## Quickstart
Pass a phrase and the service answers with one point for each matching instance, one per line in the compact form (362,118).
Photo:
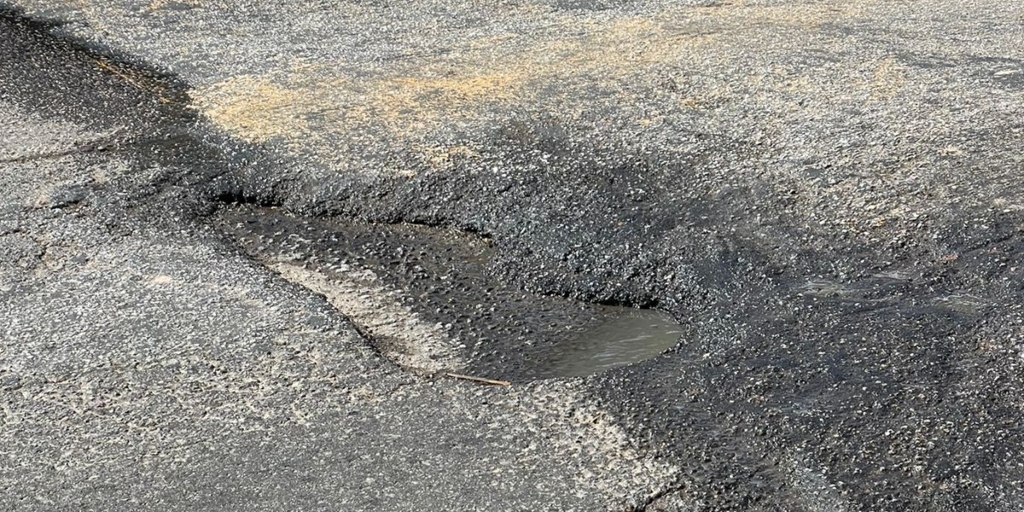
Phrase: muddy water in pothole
(621,336)
(425,298)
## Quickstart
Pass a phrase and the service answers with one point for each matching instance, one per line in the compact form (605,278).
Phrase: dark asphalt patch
(65,80)
(143,114)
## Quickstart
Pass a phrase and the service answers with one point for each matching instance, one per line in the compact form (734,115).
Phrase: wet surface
(624,336)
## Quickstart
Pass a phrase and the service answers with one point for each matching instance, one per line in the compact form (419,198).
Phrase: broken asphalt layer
(825,194)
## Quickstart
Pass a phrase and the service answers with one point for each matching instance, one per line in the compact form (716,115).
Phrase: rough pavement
(148,365)
(826,194)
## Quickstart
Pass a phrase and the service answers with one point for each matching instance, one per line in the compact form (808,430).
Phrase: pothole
(423,295)
(425,298)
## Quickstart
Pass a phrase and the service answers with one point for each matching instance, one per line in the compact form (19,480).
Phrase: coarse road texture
(146,364)
(827,194)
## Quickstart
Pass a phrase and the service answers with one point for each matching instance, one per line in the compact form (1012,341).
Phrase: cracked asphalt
(826,196)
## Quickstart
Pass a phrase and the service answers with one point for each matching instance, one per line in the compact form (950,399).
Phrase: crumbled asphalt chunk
(825,194)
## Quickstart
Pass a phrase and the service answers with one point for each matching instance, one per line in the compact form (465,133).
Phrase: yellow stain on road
(559,68)
(256,109)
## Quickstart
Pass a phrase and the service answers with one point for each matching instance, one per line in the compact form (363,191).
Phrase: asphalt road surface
(243,243)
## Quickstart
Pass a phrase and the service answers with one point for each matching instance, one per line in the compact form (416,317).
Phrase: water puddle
(623,336)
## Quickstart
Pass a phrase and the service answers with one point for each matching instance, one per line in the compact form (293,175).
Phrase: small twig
(117,71)
(479,379)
